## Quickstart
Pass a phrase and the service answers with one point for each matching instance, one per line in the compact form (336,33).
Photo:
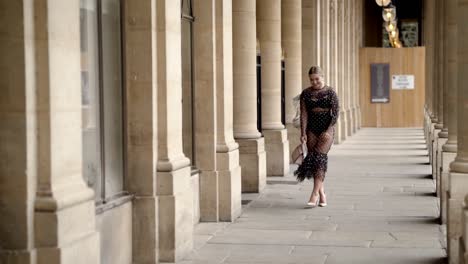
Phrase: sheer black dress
(319,113)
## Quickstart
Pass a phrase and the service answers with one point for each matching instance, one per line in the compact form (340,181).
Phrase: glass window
(102,97)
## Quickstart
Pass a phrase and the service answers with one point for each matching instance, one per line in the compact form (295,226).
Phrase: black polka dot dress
(319,114)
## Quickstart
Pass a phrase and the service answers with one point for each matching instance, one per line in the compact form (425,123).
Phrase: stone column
(64,219)
(458,177)
(429,43)
(205,73)
(325,39)
(359,44)
(348,66)
(18,159)
(438,71)
(291,40)
(449,149)
(334,67)
(227,150)
(251,142)
(442,93)
(428,83)
(354,66)
(276,136)
(141,120)
(342,84)
(173,168)
(310,38)
(436,125)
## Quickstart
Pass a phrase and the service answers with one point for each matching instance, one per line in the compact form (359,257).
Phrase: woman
(319,113)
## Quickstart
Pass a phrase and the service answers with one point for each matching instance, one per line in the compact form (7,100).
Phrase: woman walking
(319,113)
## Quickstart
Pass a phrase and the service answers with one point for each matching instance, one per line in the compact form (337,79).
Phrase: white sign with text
(402,82)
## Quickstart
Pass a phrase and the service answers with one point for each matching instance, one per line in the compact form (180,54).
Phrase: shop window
(102,98)
(188,119)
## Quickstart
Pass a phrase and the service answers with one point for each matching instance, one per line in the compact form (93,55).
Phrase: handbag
(299,153)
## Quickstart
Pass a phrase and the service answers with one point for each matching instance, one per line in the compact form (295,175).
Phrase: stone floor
(382,209)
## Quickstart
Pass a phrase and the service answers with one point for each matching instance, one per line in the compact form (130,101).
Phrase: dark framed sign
(380,82)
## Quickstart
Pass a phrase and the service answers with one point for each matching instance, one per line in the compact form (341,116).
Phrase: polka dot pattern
(318,125)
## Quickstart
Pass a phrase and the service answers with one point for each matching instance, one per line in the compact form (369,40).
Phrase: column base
(349,117)
(175,214)
(432,132)
(294,137)
(427,127)
(433,155)
(86,250)
(462,245)
(458,186)
(66,235)
(229,180)
(438,164)
(253,163)
(338,131)
(344,125)
(355,120)
(65,224)
(144,229)
(447,158)
(359,117)
(277,149)
(209,193)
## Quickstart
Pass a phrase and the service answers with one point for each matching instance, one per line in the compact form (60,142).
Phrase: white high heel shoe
(322,204)
(312,205)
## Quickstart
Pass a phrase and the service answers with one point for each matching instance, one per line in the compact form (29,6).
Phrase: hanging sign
(402,82)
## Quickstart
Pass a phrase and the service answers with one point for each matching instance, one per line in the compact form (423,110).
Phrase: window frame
(189,18)
(104,202)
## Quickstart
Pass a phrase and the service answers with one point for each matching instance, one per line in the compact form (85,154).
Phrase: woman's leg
(324,142)
(312,140)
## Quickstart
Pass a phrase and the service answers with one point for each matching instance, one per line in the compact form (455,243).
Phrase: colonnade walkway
(382,209)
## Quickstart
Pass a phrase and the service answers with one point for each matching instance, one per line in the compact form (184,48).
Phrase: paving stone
(381,209)
(261,237)
(289,224)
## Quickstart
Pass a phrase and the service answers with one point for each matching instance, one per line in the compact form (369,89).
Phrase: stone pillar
(64,218)
(354,66)
(428,83)
(310,37)
(173,168)
(449,149)
(325,39)
(359,44)
(141,120)
(458,177)
(348,66)
(291,40)
(342,73)
(251,142)
(436,126)
(439,66)
(18,159)
(334,67)
(276,136)
(429,43)
(435,63)
(227,150)
(442,136)
(205,73)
